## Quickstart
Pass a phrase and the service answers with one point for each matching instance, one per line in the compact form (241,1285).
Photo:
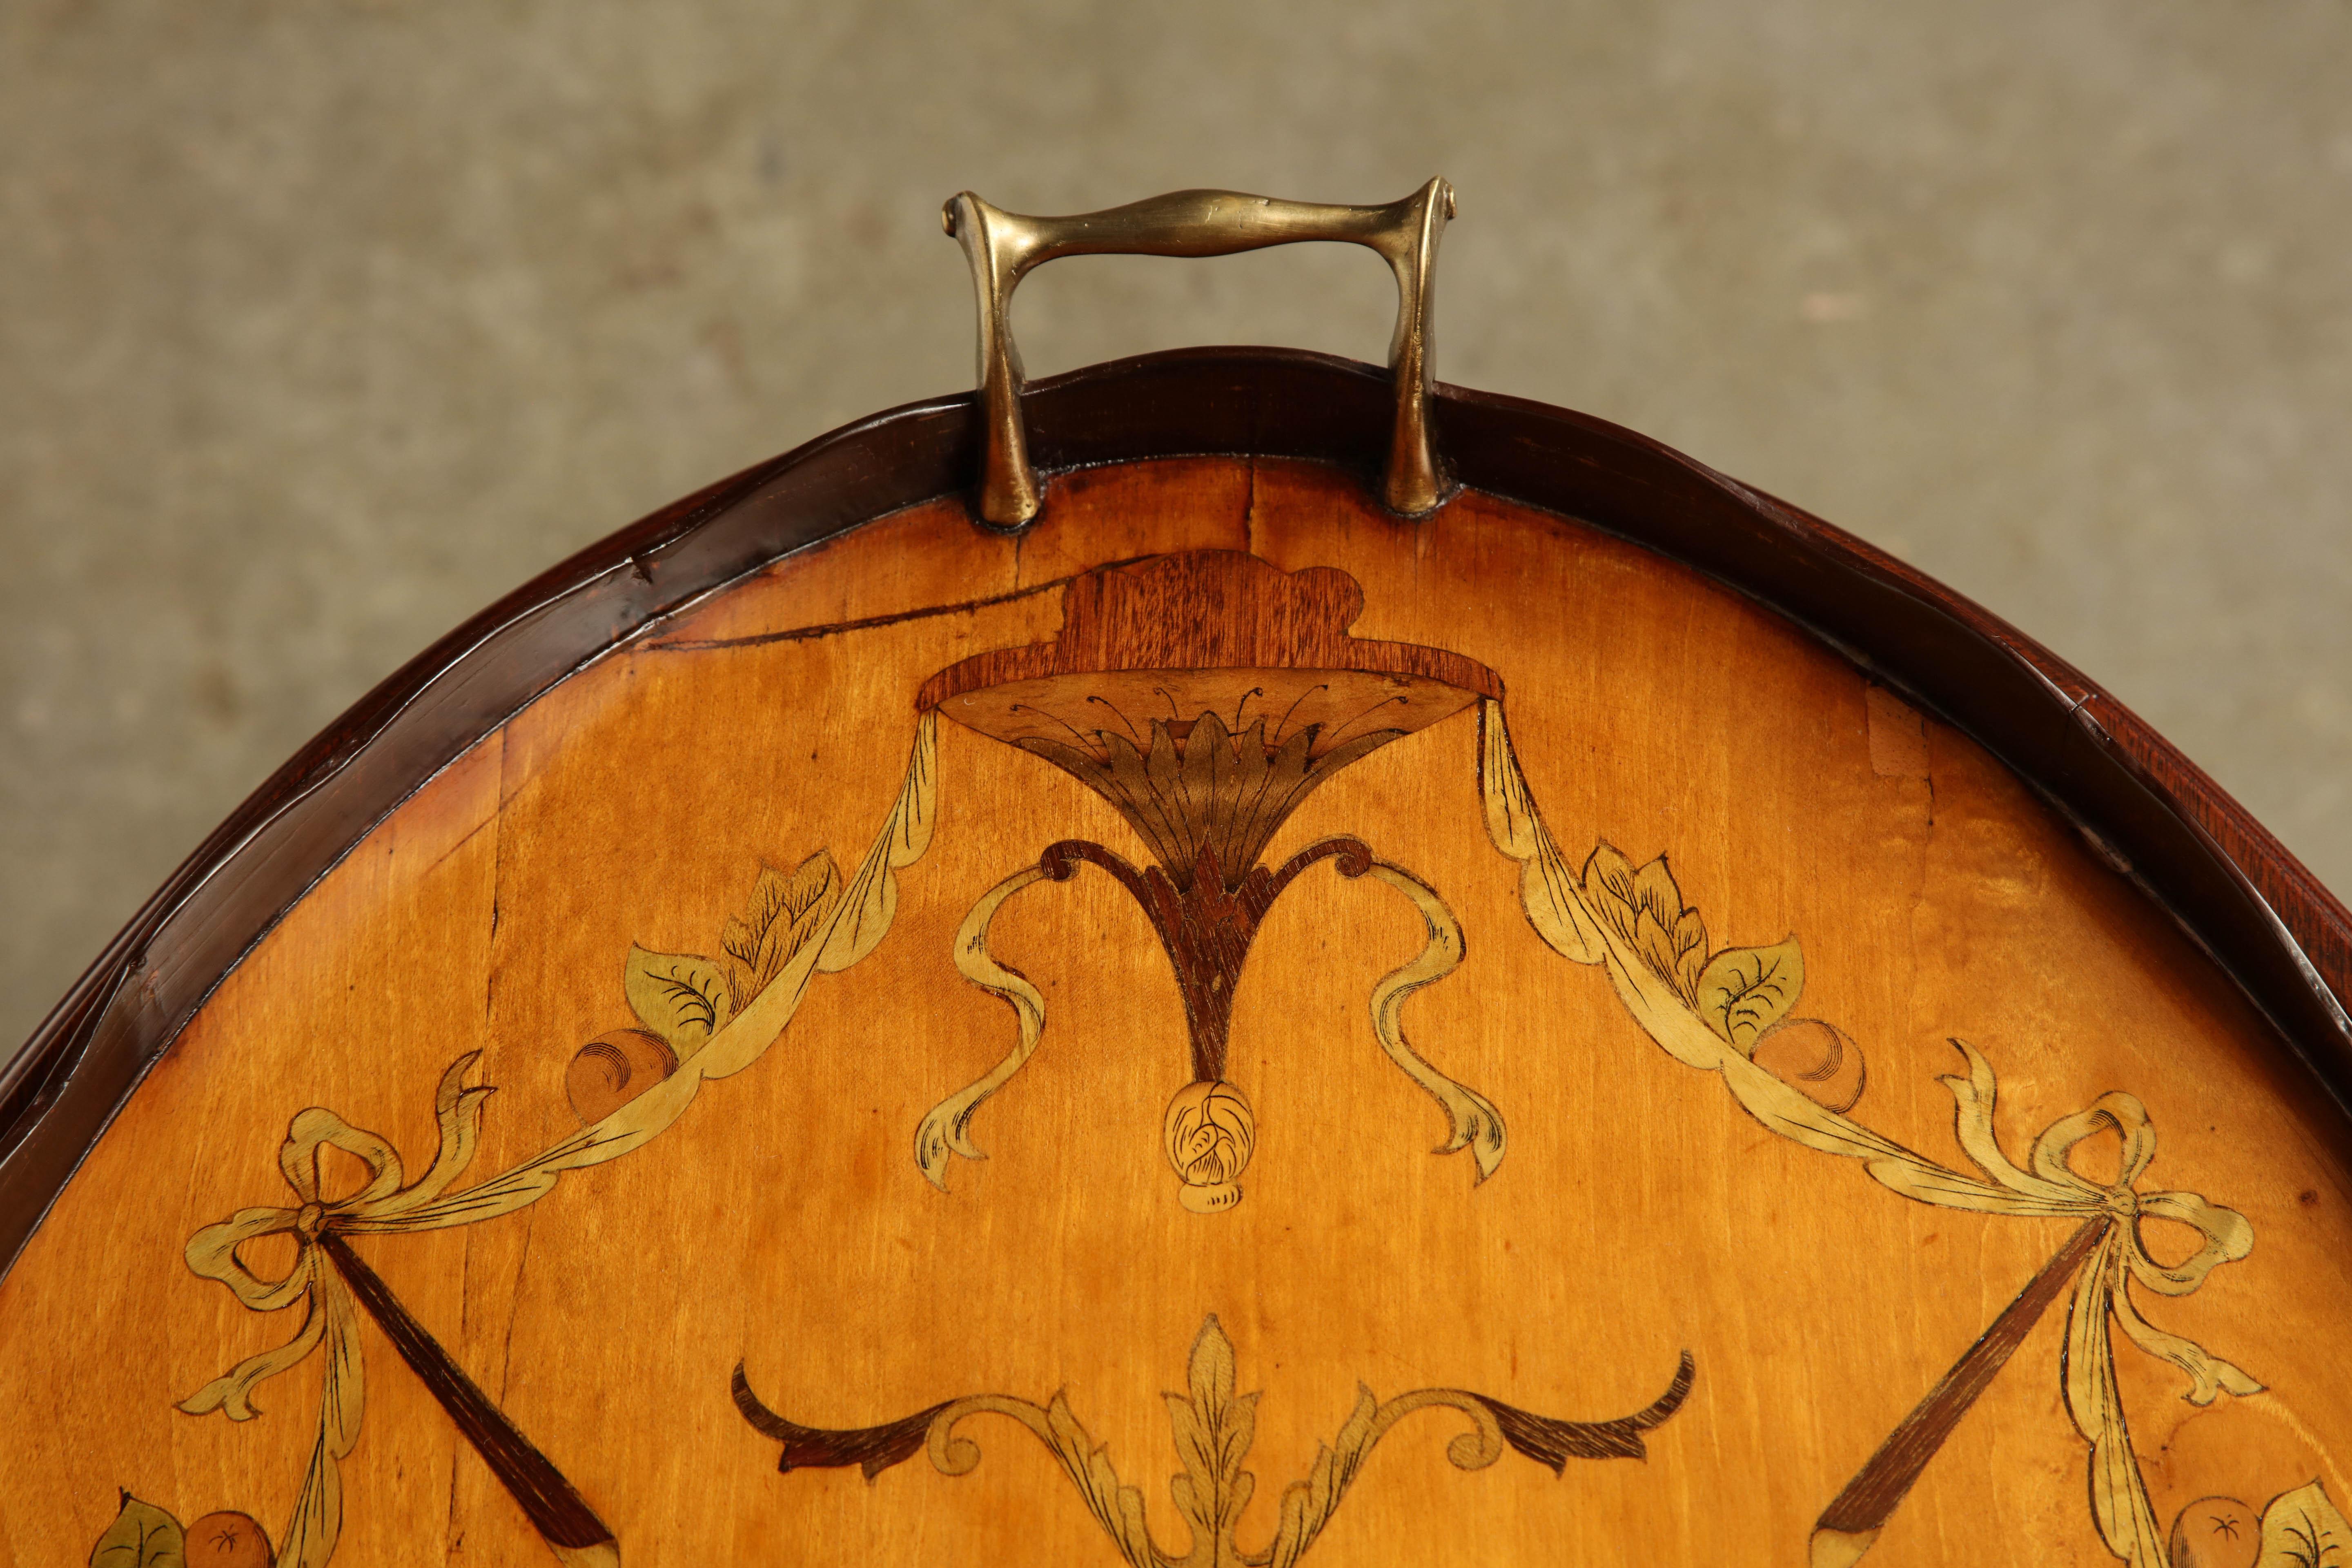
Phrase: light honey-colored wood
(783,1222)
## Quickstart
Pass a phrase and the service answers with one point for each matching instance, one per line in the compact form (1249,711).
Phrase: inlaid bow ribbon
(2119,1498)
(1707,1012)
(2052,1186)
(330,1279)
(2106,1256)
(378,1204)
(318,1280)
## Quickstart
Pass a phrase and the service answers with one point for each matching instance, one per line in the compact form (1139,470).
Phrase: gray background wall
(322,325)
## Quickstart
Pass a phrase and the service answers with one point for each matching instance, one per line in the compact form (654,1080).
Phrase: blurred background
(323,325)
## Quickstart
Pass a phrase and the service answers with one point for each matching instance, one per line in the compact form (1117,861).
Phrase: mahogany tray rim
(2142,806)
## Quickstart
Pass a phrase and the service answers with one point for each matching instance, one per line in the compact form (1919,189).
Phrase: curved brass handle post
(1002,247)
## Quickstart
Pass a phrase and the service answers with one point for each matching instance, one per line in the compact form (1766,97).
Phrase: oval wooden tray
(1816,996)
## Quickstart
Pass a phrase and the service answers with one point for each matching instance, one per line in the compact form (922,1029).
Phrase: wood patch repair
(1898,735)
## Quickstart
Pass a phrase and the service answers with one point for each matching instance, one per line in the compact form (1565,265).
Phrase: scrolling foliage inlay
(1204,696)
(1214,1429)
(1716,1013)
(714,1034)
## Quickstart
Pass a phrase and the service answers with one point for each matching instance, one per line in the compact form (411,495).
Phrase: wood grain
(2281,936)
(1149,616)
(783,1225)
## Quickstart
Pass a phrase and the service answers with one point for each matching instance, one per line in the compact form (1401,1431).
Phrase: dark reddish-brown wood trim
(1205,927)
(1881,1485)
(1121,619)
(553,1505)
(2145,807)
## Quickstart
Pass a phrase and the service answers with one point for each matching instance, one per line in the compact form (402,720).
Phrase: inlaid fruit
(613,1069)
(2216,1532)
(1818,1059)
(227,1541)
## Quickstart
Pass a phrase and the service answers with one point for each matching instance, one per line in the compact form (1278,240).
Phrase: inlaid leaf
(1116,1507)
(784,913)
(1308,1505)
(1690,953)
(1214,1431)
(1655,946)
(1645,907)
(142,1536)
(1743,991)
(1656,894)
(1609,884)
(1675,952)
(681,997)
(2302,1529)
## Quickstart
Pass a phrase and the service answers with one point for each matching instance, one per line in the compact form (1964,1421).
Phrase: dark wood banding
(873,1449)
(554,1506)
(1871,1497)
(2267,920)
(1124,618)
(1552,1443)
(1204,927)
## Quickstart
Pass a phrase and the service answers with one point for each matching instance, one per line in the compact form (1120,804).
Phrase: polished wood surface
(781,1224)
(2286,939)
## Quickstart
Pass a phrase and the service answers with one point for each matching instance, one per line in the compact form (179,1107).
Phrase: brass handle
(1002,247)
